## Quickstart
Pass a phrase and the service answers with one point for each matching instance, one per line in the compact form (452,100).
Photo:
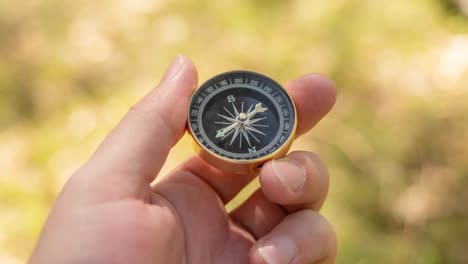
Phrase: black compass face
(241,115)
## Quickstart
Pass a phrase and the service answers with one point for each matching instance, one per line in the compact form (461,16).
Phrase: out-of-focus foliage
(396,143)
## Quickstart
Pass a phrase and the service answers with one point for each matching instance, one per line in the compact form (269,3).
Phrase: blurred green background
(396,143)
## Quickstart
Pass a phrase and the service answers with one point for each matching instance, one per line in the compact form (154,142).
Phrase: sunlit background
(396,143)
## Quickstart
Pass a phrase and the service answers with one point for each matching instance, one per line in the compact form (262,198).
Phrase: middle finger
(298,181)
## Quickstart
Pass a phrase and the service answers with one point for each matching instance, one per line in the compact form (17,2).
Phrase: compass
(240,119)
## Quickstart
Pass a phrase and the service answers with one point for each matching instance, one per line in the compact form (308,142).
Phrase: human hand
(108,211)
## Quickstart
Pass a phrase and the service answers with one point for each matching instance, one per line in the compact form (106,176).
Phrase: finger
(314,96)
(303,237)
(300,180)
(137,147)
(227,185)
(258,215)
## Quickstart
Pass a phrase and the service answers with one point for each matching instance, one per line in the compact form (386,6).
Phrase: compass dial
(241,116)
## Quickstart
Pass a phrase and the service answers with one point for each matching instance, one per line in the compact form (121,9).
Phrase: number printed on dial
(241,115)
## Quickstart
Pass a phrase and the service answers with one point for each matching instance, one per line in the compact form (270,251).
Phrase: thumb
(135,150)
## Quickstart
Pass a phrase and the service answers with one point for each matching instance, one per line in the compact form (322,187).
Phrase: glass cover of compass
(241,118)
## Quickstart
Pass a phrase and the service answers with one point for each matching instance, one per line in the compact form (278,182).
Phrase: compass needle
(219,134)
(258,109)
(239,120)
(227,135)
(229,128)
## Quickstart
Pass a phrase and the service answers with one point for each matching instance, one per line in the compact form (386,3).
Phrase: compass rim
(202,150)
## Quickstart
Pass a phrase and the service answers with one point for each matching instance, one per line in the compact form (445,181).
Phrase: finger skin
(311,194)
(227,185)
(267,207)
(203,219)
(314,95)
(258,215)
(137,147)
(311,240)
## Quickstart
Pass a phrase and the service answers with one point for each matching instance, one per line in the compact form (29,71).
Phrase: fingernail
(277,250)
(290,173)
(175,68)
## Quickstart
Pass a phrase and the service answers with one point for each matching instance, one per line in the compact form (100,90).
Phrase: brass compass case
(238,120)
